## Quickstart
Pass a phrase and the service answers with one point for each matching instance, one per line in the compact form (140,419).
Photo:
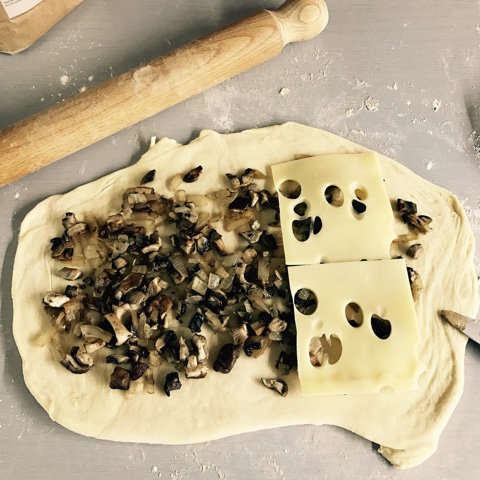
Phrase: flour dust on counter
(406,424)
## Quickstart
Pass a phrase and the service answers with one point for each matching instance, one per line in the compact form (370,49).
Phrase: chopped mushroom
(55,300)
(138,370)
(139,279)
(415,250)
(279,386)
(120,379)
(183,351)
(77,362)
(201,347)
(69,273)
(226,359)
(121,332)
(172,382)
(416,283)
(218,323)
(194,369)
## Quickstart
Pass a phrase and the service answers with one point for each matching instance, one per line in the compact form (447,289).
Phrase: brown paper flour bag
(22,22)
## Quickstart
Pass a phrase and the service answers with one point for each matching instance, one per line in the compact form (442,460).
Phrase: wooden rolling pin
(120,102)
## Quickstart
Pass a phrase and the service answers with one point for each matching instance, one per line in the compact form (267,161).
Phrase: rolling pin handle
(301,19)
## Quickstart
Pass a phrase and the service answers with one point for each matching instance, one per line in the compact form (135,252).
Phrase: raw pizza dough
(406,425)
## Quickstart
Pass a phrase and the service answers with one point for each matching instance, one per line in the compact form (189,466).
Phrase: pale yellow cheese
(344,235)
(367,363)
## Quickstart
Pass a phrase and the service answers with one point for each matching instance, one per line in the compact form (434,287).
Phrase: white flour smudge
(64,79)
(371,104)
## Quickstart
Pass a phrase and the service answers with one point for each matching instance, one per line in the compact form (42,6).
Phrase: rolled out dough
(407,425)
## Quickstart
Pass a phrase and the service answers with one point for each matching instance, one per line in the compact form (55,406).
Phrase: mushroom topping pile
(418,225)
(156,282)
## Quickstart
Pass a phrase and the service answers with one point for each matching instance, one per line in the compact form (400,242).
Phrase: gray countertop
(400,77)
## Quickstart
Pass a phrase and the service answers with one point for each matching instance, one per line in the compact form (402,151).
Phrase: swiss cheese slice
(340,203)
(375,349)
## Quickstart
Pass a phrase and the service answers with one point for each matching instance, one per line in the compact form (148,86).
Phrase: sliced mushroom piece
(255,346)
(183,351)
(276,327)
(196,322)
(417,222)
(162,303)
(285,362)
(118,359)
(253,236)
(405,206)
(218,323)
(93,344)
(171,353)
(93,331)
(239,204)
(234,181)
(416,283)
(68,273)
(227,357)
(77,362)
(79,228)
(130,282)
(201,347)
(172,382)
(57,247)
(120,379)
(121,332)
(166,338)
(115,222)
(415,250)
(217,241)
(279,386)
(194,369)
(69,220)
(138,370)
(155,286)
(55,300)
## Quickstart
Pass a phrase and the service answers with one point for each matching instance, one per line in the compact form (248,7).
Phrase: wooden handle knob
(99,112)
(301,19)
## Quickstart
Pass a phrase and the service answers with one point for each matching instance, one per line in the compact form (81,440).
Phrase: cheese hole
(360,193)
(354,314)
(322,350)
(300,209)
(334,196)
(317,225)
(302,228)
(305,301)
(381,327)
(358,207)
(290,189)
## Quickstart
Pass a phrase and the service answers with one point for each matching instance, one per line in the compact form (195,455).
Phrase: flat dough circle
(407,425)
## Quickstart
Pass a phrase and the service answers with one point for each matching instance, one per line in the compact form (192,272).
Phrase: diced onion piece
(174,182)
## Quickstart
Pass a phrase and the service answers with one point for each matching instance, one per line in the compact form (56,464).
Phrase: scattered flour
(64,79)
(429,164)
(436,104)
(371,104)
